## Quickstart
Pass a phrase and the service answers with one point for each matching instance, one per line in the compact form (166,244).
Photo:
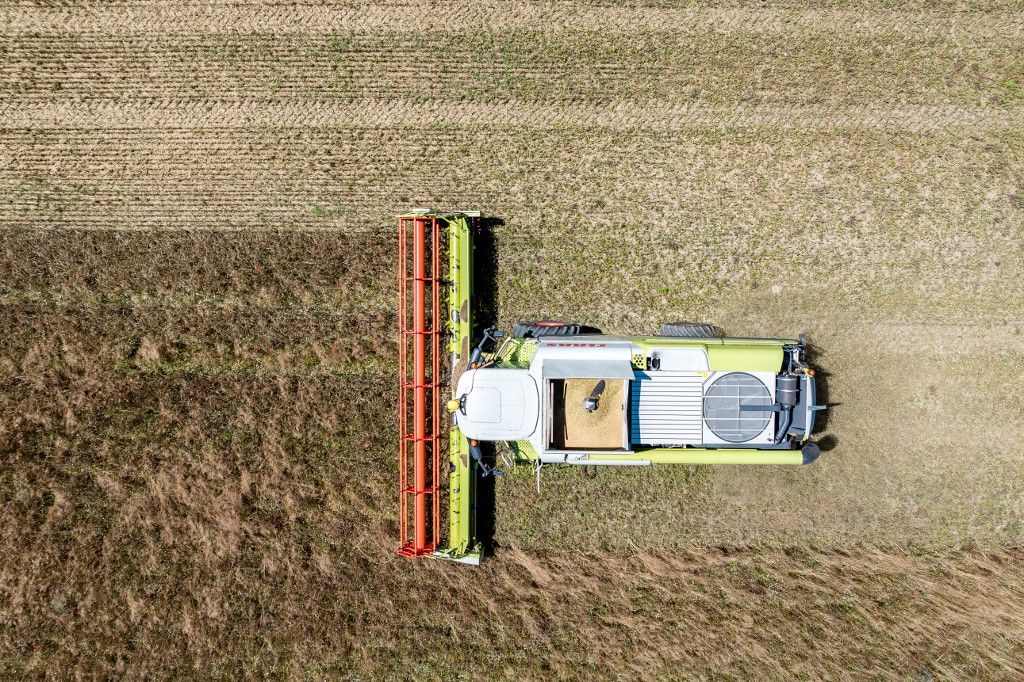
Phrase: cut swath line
(400,114)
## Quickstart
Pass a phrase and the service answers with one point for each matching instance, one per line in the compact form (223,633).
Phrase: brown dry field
(197,348)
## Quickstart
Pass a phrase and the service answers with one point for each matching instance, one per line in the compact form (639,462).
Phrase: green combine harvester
(562,393)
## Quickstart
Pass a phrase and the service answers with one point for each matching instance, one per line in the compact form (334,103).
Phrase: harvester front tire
(688,330)
(535,330)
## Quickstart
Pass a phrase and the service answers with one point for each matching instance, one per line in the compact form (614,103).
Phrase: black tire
(539,328)
(688,330)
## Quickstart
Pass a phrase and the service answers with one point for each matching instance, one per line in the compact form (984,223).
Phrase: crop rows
(990,20)
(197,251)
(723,68)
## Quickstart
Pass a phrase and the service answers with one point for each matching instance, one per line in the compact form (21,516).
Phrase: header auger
(563,393)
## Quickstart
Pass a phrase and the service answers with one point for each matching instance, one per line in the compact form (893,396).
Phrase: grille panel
(665,408)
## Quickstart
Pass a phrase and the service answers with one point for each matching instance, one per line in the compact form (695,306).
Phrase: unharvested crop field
(197,332)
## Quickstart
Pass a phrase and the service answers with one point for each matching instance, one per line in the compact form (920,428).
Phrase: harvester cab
(497,404)
(561,393)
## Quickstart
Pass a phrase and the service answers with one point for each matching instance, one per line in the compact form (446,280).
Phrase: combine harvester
(561,393)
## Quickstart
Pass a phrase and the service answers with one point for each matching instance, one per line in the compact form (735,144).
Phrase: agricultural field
(197,332)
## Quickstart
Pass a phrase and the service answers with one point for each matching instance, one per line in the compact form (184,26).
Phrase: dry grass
(196,329)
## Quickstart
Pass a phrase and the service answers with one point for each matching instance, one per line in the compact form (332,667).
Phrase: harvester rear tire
(688,330)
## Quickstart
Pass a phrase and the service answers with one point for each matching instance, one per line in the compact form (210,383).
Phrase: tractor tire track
(384,114)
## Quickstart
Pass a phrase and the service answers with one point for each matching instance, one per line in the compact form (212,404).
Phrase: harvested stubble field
(196,350)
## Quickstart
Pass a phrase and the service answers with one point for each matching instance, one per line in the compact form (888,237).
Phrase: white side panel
(681,359)
(587,369)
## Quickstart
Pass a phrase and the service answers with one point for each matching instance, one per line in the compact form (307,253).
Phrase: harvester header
(435,263)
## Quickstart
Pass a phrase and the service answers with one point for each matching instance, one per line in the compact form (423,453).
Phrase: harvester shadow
(486,257)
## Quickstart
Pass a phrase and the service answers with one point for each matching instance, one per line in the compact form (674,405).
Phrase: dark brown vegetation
(198,478)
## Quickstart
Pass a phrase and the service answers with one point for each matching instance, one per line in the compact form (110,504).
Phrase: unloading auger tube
(435,301)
